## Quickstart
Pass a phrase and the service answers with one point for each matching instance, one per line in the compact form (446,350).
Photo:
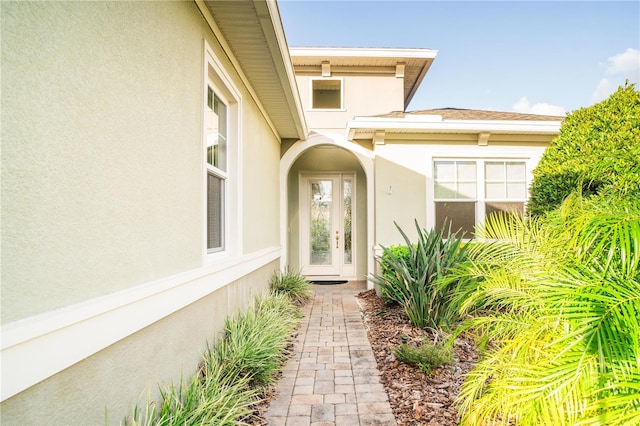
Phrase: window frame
(481,198)
(311,93)
(219,81)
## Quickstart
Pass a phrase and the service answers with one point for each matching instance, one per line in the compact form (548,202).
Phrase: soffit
(367,60)
(253,31)
(452,121)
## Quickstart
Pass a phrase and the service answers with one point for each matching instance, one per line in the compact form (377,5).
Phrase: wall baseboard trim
(38,347)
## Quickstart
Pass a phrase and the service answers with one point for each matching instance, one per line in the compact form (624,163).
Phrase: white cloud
(626,63)
(622,66)
(524,106)
(603,91)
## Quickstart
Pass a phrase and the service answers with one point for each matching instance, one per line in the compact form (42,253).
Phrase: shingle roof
(474,114)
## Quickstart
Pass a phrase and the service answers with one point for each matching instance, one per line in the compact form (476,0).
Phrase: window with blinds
(466,192)
(216,140)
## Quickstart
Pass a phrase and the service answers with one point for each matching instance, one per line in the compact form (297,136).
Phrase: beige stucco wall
(326,158)
(404,175)
(400,196)
(101,148)
(102,191)
(125,373)
(260,184)
(359,99)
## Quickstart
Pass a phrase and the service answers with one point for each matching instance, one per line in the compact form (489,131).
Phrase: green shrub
(213,398)
(293,284)
(228,384)
(427,356)
(596,152)
(559,298)
(415,280)
(402,253)
(255,342)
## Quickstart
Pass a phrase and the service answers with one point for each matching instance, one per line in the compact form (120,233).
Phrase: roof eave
(281,80)
(283,60)
(364,52)
(395,125)
(414,88)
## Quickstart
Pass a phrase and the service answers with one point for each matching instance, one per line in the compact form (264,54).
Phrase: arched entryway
(327,176)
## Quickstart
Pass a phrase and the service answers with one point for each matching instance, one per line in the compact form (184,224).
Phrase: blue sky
(526,56)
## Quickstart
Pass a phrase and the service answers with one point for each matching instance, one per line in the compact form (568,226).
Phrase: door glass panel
(347,188)
(320,253)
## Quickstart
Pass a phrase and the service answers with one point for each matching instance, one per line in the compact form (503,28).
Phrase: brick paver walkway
(332,377)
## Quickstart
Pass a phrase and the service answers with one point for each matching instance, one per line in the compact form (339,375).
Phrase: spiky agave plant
(414,280)
(560,300)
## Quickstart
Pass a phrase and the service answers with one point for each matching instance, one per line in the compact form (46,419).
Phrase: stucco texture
(260,183)
(105,387)
(101,148)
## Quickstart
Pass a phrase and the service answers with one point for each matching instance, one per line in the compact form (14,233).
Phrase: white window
(326,93)
(466,191)
(221,152)
(216,166)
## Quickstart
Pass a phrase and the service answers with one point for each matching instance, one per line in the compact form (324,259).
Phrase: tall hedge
(597,152)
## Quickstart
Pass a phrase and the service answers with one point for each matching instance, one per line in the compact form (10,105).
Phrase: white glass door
(326,224)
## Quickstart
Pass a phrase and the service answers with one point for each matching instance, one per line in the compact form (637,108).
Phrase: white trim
(38,347)
(479,155)
(312,79)
(293,94)
(358,52)
(223,86)
(364,157)
(236,65)
(338,265)
(427,124)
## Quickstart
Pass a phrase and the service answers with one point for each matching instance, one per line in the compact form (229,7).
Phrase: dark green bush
(388,272)
(596,153)
(427,356)
(414,276)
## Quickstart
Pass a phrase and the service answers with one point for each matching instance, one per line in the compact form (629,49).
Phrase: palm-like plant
(559,301)
(416,279)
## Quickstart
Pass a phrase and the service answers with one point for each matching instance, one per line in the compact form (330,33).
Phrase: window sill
(327,110)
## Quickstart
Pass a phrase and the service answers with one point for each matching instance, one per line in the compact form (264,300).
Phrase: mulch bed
(416,399)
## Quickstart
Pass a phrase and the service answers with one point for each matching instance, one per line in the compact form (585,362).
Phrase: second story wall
(357,95)
(338,84)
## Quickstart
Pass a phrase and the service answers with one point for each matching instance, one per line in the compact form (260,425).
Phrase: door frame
(339,268)
(366,159)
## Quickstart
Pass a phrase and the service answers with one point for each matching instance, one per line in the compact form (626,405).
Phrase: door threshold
(329,277)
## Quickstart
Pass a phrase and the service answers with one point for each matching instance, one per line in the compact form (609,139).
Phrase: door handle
(337,239)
